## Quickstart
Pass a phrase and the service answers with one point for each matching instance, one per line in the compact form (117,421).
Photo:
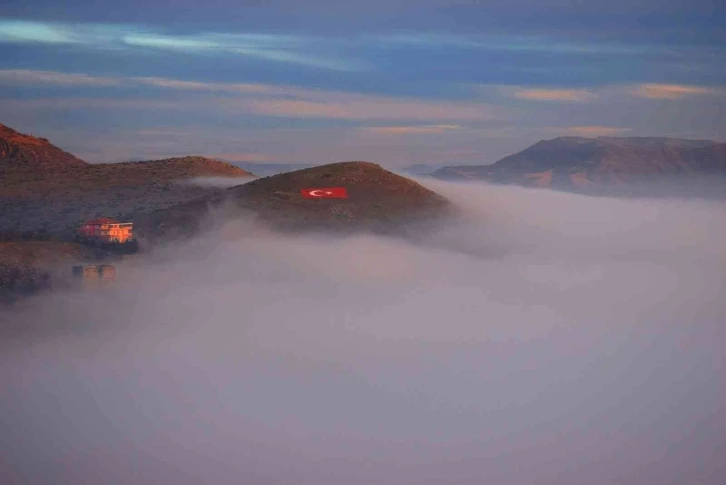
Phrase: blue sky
(395,82)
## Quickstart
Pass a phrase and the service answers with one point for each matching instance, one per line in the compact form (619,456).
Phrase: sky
(395,82)
(544,337)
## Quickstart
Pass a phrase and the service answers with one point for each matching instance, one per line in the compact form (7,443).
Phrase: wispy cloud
(205,86)
(356,107)
(262,99)
(409,130)
(592,130)
(546,94)
(23,31)
(26,76)
(669,91)
(281,48)
(503,42)
(291,49)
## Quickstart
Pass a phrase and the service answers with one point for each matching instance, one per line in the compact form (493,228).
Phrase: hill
(20,151)
(45,188)
(378,200)
(39,179)
(596,164)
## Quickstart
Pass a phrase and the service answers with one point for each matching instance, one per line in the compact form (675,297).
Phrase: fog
(543,338)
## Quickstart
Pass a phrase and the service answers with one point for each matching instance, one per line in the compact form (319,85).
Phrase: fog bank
(545,338)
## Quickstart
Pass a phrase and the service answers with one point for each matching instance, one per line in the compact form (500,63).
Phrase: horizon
(402,167)
(396,82)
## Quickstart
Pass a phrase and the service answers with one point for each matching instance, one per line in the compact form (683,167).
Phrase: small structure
(95,275)
(106,230)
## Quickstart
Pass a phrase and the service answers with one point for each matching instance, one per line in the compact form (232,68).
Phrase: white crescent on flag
(325,193)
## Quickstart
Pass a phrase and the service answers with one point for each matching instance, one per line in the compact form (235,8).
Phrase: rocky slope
(20,151)
(589,164)
(378,200)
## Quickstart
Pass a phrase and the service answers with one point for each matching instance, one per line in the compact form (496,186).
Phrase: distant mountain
(421,169)
(267,169)
(21,151)
(603,163)
(378,200)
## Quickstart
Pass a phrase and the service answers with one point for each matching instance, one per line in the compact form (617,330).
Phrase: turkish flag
(325,193)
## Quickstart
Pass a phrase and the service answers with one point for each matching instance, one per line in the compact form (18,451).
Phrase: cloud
(508,43)
(547,94)
(20,31)
(668,91)
(542,332)
(26,76)
(409,130)
(595,130)
(353,107)
(291,49)
(208,86)
(259,99)
(281,48)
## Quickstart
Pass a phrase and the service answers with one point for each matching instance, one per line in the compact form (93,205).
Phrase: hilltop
(378,200)
(21,151)
(590,164)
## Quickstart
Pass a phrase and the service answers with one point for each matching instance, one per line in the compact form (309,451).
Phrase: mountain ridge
(32,165)
(583,164)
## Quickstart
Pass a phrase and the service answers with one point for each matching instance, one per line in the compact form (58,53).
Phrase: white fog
(545,338)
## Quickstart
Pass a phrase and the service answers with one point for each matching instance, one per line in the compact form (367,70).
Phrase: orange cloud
(210,86)
(596,130)
(668,91)
(24,76)
(357,107)
(554,94)
(264,99)
(410,130)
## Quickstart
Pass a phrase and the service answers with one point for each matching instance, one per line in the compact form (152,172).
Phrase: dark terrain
(29,266)
(46,189)
(609,165)
(46,193)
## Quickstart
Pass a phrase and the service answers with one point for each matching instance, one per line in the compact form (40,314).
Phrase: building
(95,275)
(106,230)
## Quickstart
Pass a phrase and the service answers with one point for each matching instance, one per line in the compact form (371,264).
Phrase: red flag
(325,193)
